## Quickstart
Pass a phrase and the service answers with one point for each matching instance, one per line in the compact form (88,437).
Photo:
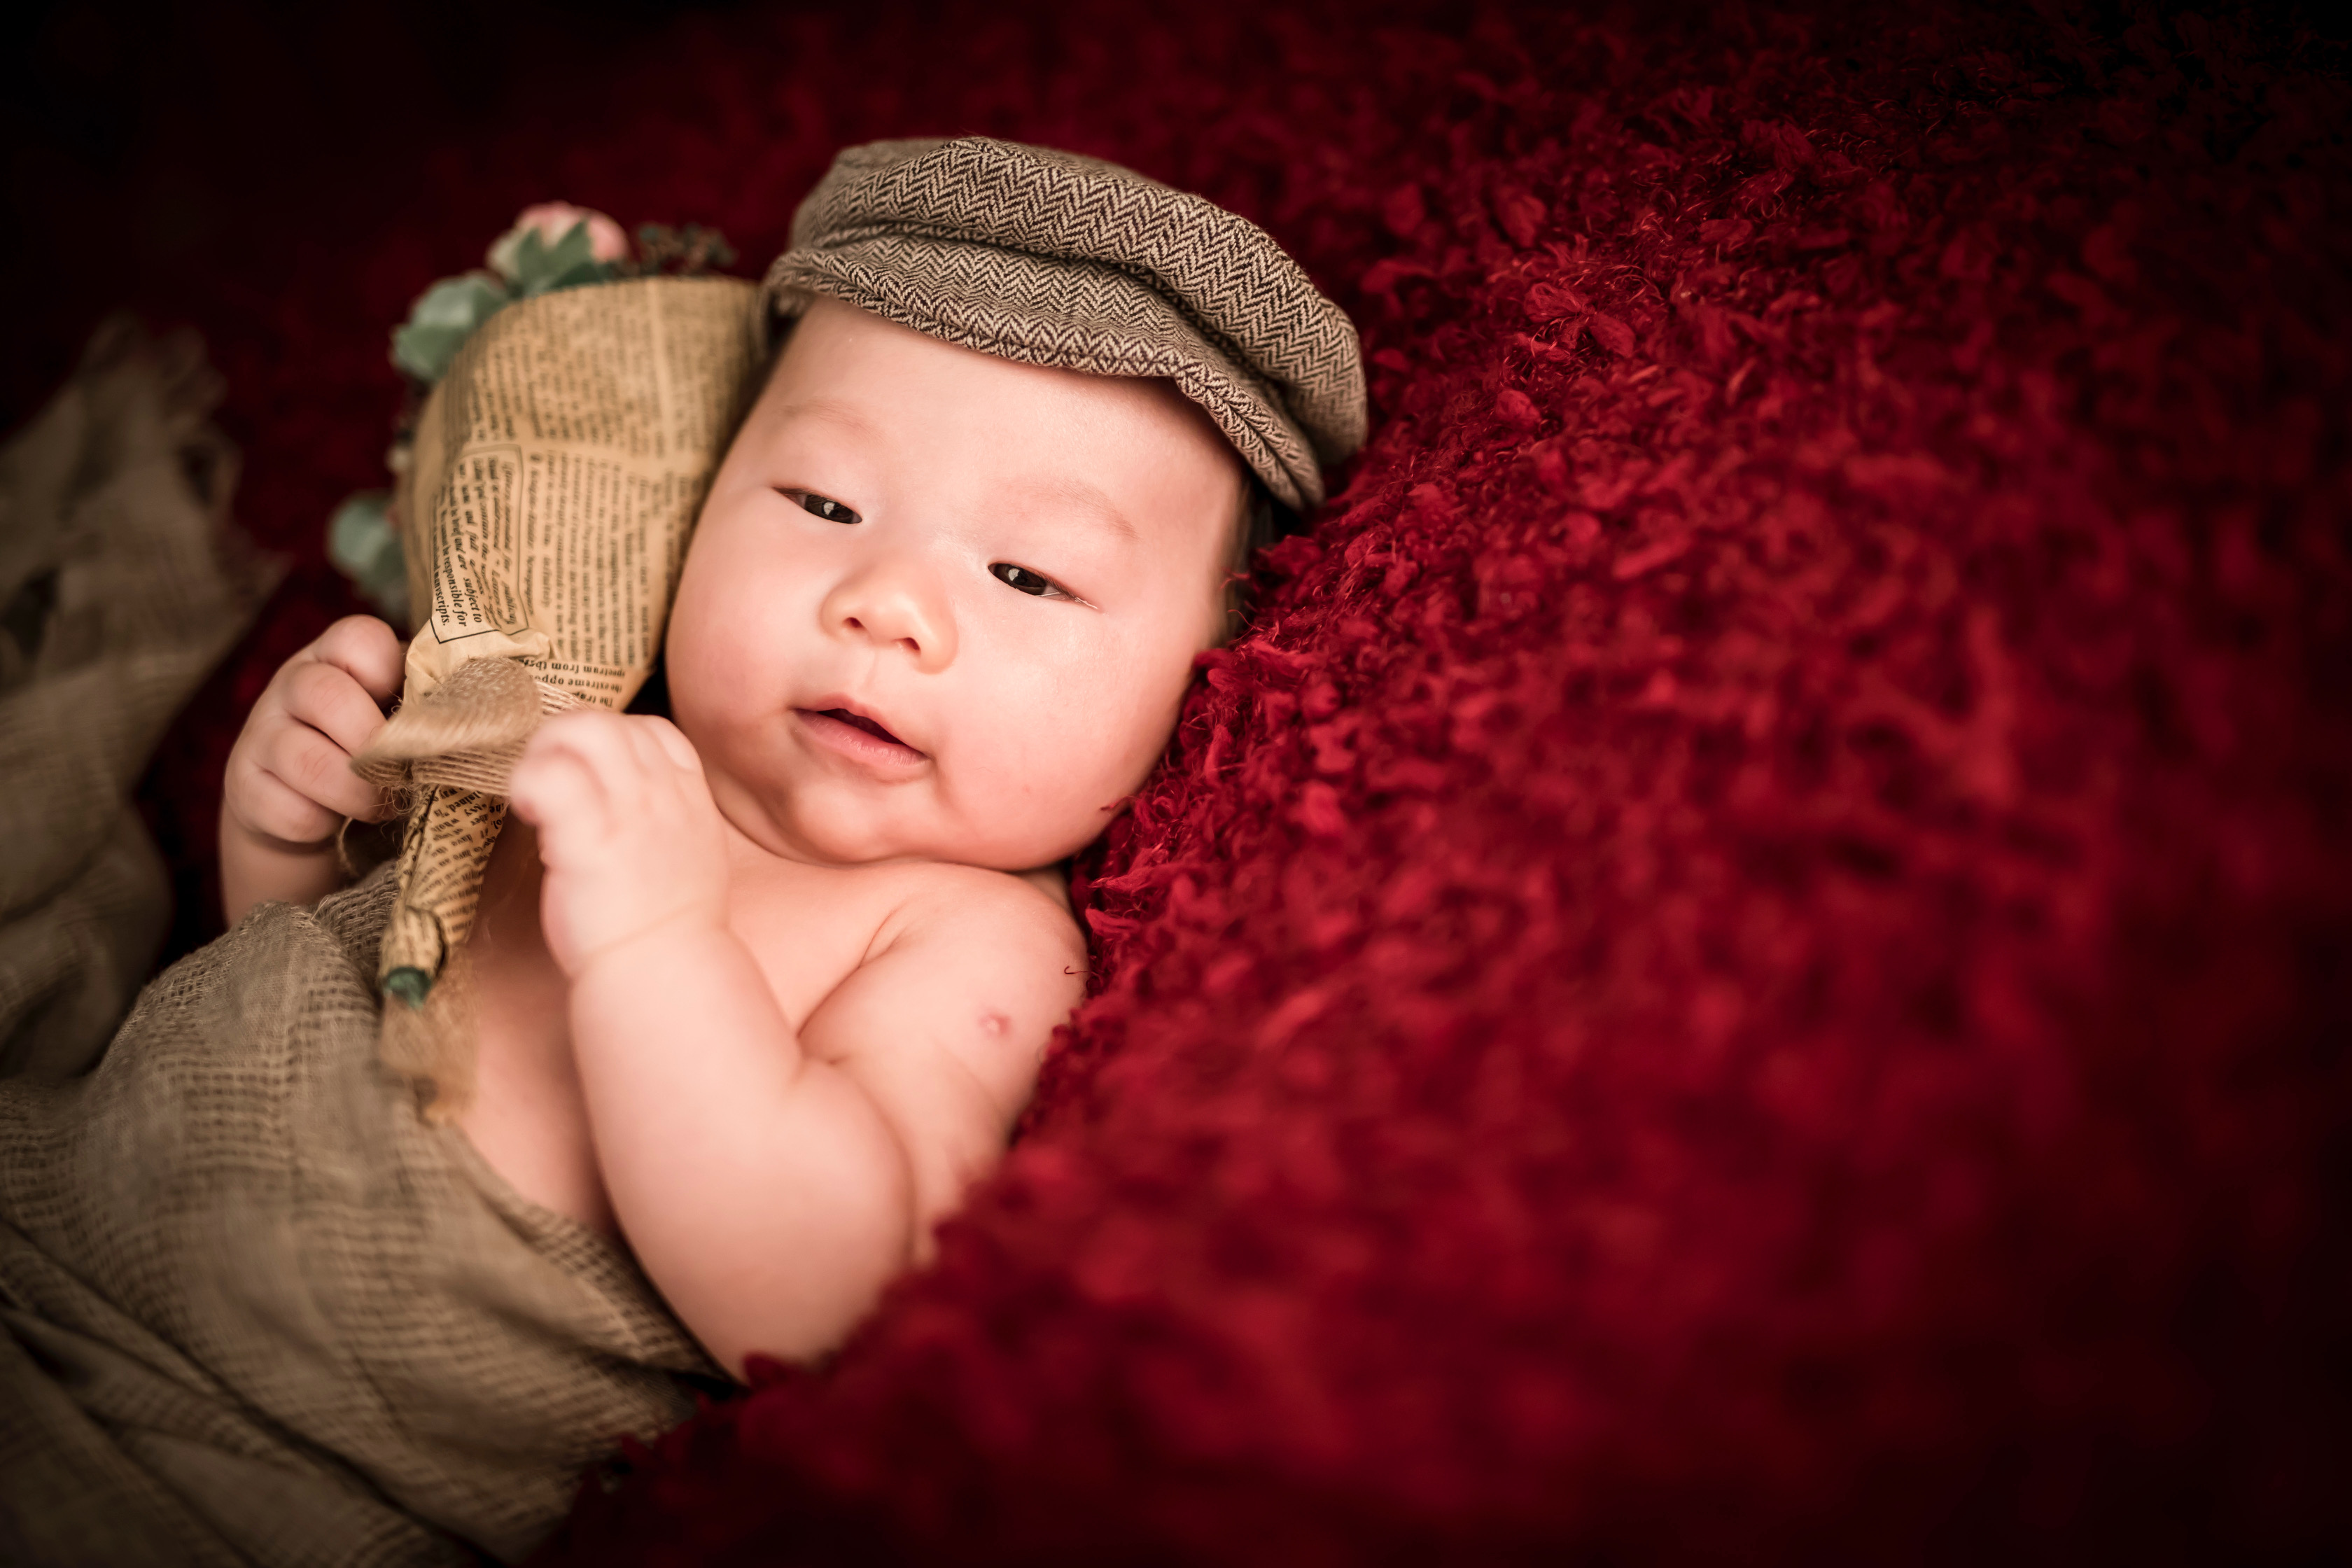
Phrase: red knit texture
(1750,961)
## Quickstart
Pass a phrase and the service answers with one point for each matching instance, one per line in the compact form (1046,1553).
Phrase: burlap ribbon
(451,750)
(466,735)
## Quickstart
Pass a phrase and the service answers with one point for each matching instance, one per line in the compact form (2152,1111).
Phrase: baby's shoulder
(979,965)
(968,904)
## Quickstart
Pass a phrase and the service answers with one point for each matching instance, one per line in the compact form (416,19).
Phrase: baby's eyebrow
(1083,495)
(828,409)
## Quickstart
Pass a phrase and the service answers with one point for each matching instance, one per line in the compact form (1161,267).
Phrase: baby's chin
(822,831)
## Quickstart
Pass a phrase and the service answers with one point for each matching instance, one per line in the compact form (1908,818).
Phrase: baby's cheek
(1135,707)
(706,643)
(1092,749)
(728,647)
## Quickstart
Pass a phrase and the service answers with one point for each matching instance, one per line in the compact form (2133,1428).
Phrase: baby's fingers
(272,809)
(594,739)
(672,741)
(320,770)
(301,788)
(329,700)
(670,771)
(564,777)
(367,650)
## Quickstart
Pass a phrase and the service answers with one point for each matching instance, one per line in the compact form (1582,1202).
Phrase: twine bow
(466,733)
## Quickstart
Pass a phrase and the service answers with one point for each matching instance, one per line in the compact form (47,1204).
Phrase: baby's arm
(289,782)
(772,1181)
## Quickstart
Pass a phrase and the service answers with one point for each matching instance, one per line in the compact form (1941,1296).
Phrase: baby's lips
(844,728)
(849,717)
(858,716)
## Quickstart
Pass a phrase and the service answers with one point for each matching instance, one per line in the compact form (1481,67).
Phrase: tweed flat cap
(1054,258)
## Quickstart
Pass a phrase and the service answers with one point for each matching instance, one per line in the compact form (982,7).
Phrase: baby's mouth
(863,723)
(861,737)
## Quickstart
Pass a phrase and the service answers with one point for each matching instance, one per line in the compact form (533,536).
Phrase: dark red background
(1750,964)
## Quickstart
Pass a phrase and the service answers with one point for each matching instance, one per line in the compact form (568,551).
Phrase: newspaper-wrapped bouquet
(552,245)
(571,405)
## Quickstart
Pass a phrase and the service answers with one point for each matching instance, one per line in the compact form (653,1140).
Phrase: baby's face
(1004,570)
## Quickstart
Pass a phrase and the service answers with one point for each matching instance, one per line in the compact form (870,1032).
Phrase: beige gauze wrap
(254,1310)
(556,474)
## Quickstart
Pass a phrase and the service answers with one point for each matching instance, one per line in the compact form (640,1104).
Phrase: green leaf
(574,248)
(364,547)
(465,302)
(569,263)
(578,276)
(424,352)
(443,318)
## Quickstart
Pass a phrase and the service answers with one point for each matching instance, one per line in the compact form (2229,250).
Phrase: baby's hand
(289,779)
(628,833)
(290,775)
(289,782)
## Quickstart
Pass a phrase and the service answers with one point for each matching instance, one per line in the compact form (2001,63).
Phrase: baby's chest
(810,928)
(807,928)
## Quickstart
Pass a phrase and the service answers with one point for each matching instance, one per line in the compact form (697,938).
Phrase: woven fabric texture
(1053,259)
(254,1310)
(119,589)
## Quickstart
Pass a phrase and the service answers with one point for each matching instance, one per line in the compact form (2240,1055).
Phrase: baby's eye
(825,507)
(1028,581)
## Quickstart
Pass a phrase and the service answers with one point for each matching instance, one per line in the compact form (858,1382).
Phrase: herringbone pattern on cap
(1053,259)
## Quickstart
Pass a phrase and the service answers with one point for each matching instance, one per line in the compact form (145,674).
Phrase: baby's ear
(1260,519)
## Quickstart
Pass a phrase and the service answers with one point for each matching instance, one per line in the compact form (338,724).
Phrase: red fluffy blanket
(1751,959)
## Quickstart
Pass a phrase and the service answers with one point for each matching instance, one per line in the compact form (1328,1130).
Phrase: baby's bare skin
(908,1083)
(529,1118)
(765,989)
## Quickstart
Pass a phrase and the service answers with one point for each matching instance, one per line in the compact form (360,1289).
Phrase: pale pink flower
(607,241)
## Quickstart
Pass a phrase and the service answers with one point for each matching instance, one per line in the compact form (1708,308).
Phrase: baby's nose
(896,607)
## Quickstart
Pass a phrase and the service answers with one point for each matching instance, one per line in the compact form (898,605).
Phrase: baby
(763,988)
(766,986)
(757,989)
